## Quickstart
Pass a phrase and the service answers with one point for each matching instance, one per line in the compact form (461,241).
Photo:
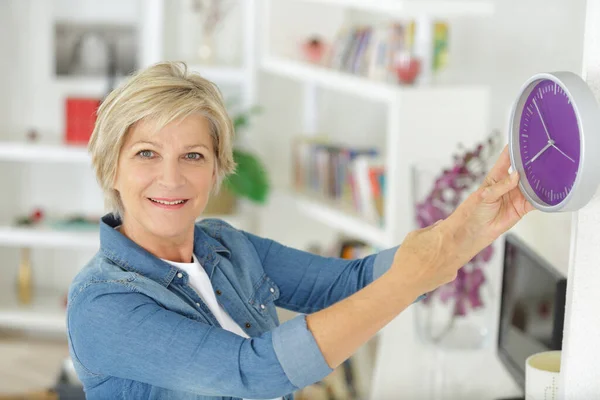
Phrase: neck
(177,248)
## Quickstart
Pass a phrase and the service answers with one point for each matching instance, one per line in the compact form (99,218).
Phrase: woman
(174,309)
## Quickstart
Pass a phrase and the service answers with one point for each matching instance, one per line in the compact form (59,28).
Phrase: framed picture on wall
(89,50)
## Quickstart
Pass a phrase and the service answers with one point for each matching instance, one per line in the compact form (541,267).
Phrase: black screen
(532,307)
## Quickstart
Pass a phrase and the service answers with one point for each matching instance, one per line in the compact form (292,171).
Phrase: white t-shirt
(200,281)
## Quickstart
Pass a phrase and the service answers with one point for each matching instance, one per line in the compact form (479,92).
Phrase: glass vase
(454,317)
(457,315)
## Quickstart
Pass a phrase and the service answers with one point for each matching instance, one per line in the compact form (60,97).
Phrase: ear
(214,174)
(115,182)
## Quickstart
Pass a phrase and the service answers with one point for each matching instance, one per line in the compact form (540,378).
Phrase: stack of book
(351,176)
(375,52)
(370,51)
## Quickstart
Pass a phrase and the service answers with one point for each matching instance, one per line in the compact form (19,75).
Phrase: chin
(169,226)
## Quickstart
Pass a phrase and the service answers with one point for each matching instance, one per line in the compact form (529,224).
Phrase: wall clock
(554,141)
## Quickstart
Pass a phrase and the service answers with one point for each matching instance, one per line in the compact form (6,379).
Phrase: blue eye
(146,153)
(194,156)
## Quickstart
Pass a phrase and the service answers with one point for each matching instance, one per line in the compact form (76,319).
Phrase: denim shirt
(137,329)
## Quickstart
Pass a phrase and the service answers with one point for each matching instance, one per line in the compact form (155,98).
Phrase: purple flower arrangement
(450,188)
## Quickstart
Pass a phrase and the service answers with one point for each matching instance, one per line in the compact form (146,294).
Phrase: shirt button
(262,306)
(218,292)
(248,325)
(272,290)
(197,304)
(179,275)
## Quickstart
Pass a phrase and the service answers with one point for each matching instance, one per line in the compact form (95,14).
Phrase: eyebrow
(159,146)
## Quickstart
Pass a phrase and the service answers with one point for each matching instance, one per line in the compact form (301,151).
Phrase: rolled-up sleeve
(115,331)
(298,352)
(383,262)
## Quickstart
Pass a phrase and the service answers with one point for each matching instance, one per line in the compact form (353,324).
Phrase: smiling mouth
(168,203)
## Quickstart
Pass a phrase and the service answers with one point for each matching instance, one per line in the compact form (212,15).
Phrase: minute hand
(541,119)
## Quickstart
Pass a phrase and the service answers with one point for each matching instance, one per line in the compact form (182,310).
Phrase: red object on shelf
(313,50)
(408,70)
(80,119)
(37,215)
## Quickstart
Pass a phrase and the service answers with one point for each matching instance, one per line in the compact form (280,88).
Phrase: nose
(171,175)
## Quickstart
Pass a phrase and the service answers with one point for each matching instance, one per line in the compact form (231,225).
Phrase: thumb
(494,192)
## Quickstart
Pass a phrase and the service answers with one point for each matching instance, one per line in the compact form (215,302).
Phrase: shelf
(331,78)
(46,311)
(37,237)
(33,152)
(85,86)
(355,84)
(221,75)
(330,213)
(416,8)
(47,237)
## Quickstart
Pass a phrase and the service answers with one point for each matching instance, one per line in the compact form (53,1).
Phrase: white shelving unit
(39,237)
(345,220)
(244,75)
(423,122)
(47,313)
(47,237)
(331,79)
(46,153)
(415,111)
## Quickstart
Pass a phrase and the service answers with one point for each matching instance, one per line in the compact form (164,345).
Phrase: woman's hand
(431,257)
(493,209)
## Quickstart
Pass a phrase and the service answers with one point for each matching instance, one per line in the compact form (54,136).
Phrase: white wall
(581,349)
(528,37)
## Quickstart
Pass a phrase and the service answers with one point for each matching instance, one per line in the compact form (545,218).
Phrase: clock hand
(541,119)
(562,152)
(550,143)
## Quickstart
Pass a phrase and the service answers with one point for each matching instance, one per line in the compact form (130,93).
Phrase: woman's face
(165,177)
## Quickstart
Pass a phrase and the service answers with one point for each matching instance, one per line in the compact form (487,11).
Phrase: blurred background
(349,115)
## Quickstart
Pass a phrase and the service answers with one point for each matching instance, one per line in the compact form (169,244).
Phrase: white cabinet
(49,173)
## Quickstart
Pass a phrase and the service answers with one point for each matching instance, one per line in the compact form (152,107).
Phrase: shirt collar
(132,257)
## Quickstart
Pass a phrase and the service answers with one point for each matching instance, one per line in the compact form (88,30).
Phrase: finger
(500,169)
(492,193)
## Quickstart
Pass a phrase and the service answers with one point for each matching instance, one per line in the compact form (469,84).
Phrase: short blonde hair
(163,93)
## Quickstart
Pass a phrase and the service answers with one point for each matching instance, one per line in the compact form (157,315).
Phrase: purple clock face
(549,142)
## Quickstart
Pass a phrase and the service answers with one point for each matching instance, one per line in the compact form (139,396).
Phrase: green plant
(250,179)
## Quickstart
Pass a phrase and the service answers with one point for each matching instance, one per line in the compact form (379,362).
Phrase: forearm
(425,260)
(342,328)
